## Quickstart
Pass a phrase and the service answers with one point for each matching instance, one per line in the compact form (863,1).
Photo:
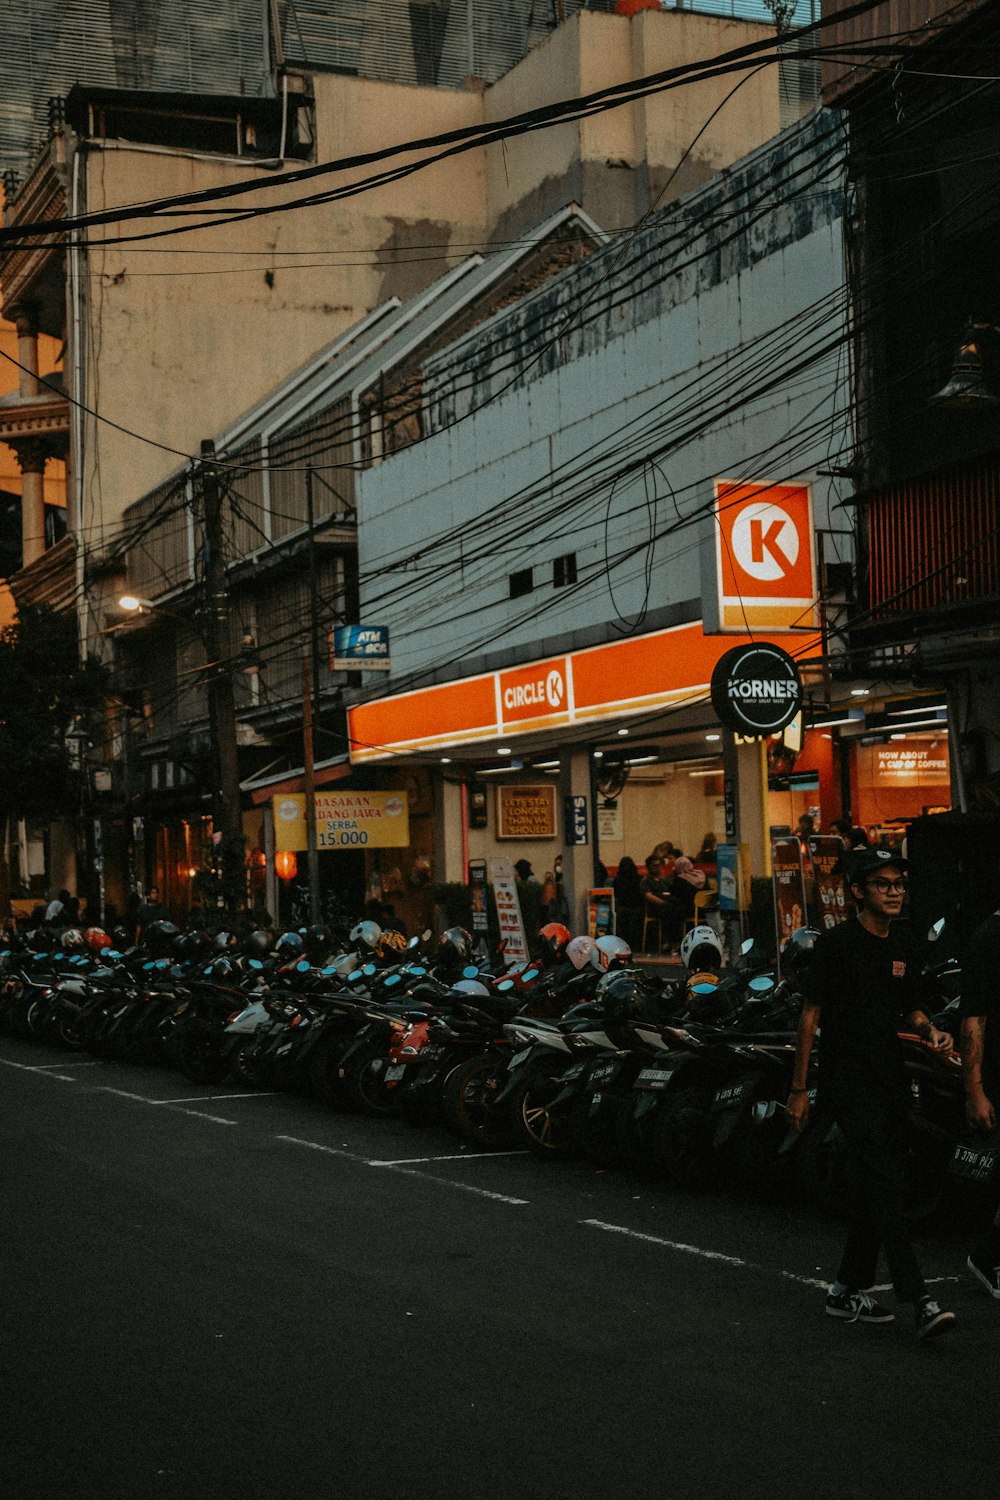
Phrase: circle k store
(606,750)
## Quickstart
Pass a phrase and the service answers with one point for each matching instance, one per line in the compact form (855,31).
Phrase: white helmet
(366,934)
(579,951)
(611,953)
(701,949)
(471,987)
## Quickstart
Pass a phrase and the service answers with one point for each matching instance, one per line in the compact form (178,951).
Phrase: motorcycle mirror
(470,972)
(391,979)
(255,963)
(355,975)
(302,965)
(746,946)
(761,985)
(369,970)
(426,935)
(936,930)
(418,970)
(414,942)
(704,989)
(528,975)
(505,984)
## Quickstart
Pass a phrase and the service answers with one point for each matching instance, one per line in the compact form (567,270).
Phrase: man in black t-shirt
(864,982)
(980,1011)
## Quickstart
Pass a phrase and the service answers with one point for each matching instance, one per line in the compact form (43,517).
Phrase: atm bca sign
(764,556)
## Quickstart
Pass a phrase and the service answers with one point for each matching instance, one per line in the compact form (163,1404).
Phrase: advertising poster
(729,873)
(826,852)
(526,812)
(478,895)
(344,820)
(600,911)
(789,889)
(512,937)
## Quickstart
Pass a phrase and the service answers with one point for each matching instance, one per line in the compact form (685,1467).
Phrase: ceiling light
(713,736)
(716,772)
(623,731)
(897,736)
(641,760)
(917,708)
(446,760)
(861,692)
(504,750)
(598,754)
(545,765)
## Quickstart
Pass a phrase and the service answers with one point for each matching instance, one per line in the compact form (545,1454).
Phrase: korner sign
(756,689)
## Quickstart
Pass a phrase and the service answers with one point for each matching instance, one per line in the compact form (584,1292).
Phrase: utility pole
(310,714)
(228,817)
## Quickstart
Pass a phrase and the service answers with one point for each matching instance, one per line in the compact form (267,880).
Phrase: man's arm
(921,1023)
(797,1108)
(979,1111)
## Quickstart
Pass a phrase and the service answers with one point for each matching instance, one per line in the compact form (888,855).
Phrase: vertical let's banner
(478,895)
(826,852)
(789,886)
(511,924)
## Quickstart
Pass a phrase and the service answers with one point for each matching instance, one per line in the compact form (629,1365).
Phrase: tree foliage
(44,688)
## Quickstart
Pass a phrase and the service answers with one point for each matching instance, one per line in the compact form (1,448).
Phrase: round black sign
(756,689)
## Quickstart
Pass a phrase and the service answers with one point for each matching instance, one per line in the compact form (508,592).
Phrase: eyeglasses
(888,887)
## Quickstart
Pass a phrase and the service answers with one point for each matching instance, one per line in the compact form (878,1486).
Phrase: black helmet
(626,996)
(159,937)
(797,953)
(317,939)
(223,969)
(197,942)
(455,946)
(289,945)
(223,942)
(259,942)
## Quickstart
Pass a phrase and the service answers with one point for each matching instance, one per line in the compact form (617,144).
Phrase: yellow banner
(344,820)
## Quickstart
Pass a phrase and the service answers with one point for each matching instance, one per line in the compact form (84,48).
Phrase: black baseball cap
(861,863)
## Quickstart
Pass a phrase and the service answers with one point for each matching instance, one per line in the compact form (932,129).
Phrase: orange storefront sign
(664,668)
(764,556)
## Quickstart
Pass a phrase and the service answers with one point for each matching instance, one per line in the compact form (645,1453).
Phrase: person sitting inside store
(706,858)
(682,887)
(628,901)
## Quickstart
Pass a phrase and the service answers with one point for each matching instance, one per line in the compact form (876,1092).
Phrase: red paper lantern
(286,863)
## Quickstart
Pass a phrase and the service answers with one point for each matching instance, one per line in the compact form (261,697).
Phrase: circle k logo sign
(765,541)
(537,692)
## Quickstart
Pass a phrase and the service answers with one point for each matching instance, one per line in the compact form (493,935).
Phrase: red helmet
(97,939)
(552,940)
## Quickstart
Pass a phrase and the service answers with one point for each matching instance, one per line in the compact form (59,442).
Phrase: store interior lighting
(515,765)
(922,709)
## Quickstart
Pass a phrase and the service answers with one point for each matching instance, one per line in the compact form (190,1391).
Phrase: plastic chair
(648,921)
(702,899)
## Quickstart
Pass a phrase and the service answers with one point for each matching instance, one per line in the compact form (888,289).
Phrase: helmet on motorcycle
(317,939)
(797,953)
(626,996)
(471,987)
(455,946)
(223,942)
(389,943)
(122,937)
(222,969)
(158,937)
(289,945)
(701,949)
(366,934)
(71,938)
(579,951)
(96,939)
(552,941)
(611,952)
(259,943)
(197,942)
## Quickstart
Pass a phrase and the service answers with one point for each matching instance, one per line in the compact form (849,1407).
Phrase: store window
(564,570)
(521,583)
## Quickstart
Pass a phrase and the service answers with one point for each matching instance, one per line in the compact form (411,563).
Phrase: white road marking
(207,1098)
(28,1068)
(198,1114)
(364,1161)
(408,1161)
(44,1067)
(122,1094)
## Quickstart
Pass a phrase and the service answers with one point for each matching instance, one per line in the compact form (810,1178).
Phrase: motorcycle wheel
(34,1020)
(532,1124)
(364,1081)
(681,1138)
(467,1107)
(323,1069)
(239,1064)
(198,1059)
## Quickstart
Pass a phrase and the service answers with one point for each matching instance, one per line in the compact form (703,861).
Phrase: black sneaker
(987,1275)
(931,1319)
(857,1307)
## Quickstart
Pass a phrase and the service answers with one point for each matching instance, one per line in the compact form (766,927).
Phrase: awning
(263,788)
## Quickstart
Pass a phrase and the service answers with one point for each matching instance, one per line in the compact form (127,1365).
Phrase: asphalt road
(249,1295)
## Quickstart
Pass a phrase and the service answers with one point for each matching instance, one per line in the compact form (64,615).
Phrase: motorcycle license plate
(654,1078)
(732,1094)
(430,1054)
(973,1163)
(395,1073)
(604,1073)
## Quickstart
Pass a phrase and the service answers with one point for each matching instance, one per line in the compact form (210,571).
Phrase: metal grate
(934,542)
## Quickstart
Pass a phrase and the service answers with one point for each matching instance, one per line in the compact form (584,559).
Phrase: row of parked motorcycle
(576,1053)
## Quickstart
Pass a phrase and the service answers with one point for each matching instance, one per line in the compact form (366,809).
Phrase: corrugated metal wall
(222,47)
